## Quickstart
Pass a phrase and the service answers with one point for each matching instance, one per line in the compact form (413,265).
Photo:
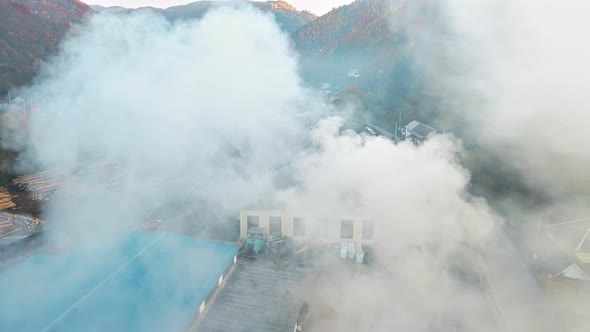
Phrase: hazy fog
(205,111)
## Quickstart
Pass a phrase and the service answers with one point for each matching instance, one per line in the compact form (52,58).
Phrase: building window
(322,229)
(346,229)
(274,225)
(298,227)
(253,221)
(368,230)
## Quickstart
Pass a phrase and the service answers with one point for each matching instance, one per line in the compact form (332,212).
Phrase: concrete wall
(312,226)
(583,257)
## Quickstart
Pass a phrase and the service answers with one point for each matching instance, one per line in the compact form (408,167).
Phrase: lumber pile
(44,185)
(6,199)
(8,228)
(31,223)
(25,205)
(12,223)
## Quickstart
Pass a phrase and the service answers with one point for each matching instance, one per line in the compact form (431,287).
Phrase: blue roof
(148,282)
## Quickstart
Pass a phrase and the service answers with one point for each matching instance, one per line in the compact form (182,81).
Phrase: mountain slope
(287,16)
(110,10)
(360,35)
(30,30)
(369,35)
(362,21)
(392,44)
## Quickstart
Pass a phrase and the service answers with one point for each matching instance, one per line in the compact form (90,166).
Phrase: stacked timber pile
(42,185)
(6,199)
(7,225)
(25,205)
(82,180)
(12,223)
(94,178)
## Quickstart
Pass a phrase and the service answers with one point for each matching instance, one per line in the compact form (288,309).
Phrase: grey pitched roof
(573,271)
(556,264)
(419,130)
(257,298)
(570,236)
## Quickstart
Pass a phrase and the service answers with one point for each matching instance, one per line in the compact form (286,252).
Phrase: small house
(417,132)
(353,73)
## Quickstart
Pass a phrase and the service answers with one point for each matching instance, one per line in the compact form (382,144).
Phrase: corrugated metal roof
(419,130)
(573,271)
(412,125)
(257,298)
(147,282)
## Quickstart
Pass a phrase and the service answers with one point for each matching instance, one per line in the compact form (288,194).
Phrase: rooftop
(573,271)
(259,298)
(146,282)
(568,236)
(419,130)
(14,226)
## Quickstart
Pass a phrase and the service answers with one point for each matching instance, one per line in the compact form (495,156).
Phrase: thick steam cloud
(513,76)
(199,109)
(426,226)
(204,113)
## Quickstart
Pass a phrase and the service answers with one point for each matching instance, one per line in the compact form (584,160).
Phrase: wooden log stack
(6,199)
(12,223)
(41,185)
(44,185)
(8,225)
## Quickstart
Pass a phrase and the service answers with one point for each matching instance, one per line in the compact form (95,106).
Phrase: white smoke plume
(511,77)
(515,77)
(197,116)
(425,223)
(199,109)
(203,113)
(533,110)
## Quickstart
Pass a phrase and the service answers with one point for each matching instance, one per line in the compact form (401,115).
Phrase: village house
(417,132)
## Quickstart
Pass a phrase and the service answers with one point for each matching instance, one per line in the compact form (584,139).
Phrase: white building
(332,230)
(418,132)
(353,73)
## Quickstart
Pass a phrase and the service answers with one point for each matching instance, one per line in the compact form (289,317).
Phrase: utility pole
(400,119)
(538,236)
(380,73)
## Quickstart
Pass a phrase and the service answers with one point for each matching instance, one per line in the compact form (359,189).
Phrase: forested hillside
(30,30)
(362,23)
(287,16)
(367,35)
(380,38)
